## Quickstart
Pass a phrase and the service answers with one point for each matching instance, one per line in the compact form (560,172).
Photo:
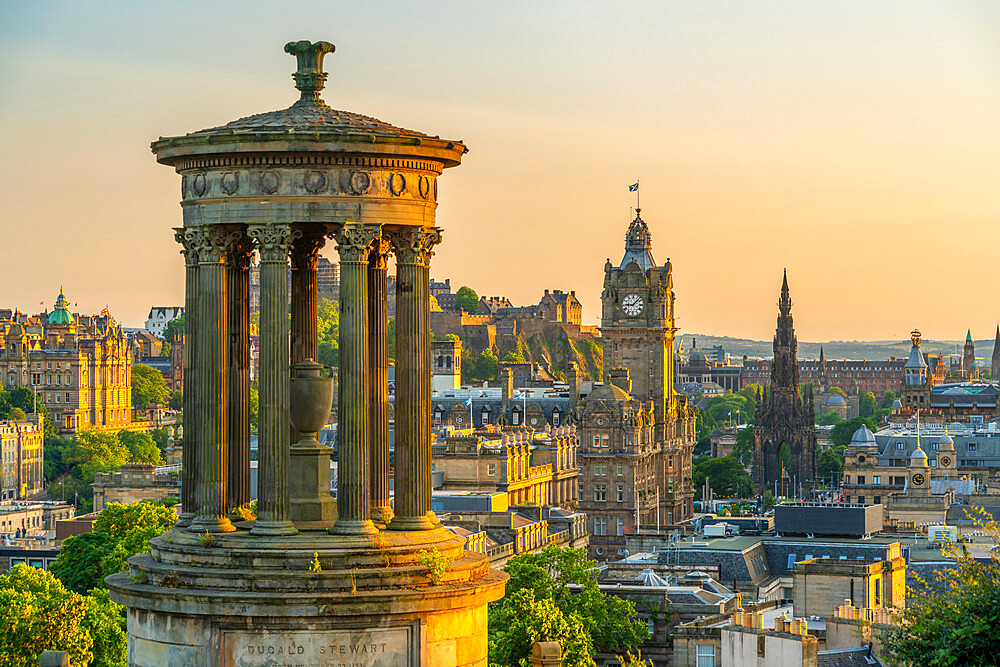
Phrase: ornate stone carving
(241,252)
(305,251)
(354,240)
(315,181)
(199,184)
(309,77)
(230,182)
(360,182)
(397,184)
(270,181)
(378,254)
(211,244)
(424,186)
(188,247)
(414,245)
(274,240)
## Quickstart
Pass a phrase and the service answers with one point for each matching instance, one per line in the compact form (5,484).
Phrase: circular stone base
(238,599)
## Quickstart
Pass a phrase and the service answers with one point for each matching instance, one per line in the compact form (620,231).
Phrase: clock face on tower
(945,461)
(632,305)
(918,479)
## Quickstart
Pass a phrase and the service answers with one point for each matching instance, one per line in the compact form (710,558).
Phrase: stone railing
(559,537)
(539,471)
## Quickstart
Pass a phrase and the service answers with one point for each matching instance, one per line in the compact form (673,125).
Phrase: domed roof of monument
(947,441)
(314,118)
(916,360)
(638,245)
(61,314)
(836,399)
(608,392)
(918,455)
(863,437)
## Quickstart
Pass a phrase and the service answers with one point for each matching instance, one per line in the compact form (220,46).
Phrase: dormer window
(515,417)
(556,416)
(485,416)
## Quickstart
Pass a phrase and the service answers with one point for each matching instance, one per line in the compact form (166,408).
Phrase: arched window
(447,362)
(515,417)
(440,362)
(556,417)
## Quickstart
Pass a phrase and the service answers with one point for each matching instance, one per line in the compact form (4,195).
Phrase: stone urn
(310,400)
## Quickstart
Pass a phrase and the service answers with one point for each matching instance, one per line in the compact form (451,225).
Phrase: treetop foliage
(148,387)
(466,299)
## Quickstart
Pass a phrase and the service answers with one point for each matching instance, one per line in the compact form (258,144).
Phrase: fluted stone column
(273,508)
(353,455)
(378,389)
(412,247)
(189,468)
(212,373)
(309,477)
(238,478)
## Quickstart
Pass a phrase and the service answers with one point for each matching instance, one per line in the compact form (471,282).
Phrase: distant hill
(838,349)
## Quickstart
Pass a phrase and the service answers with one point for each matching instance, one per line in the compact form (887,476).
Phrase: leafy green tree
(466,299)
(785,454)
(841,433)
(568,580)
(521,621)
(484,367)
(830,461)
(829,418)
(17,414)
(743,449)
(38,613)
(725,475)
(120,532)
(141,447)
(254,404)
(866,403)
(173,325)
(888,398)
(57,457)
(79,564)
(514,357)
(148,387)
(329,332)
(176,401)
(954,620)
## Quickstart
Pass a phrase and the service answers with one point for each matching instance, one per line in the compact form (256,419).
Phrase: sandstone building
(80,367)
(636,433)
(21,444)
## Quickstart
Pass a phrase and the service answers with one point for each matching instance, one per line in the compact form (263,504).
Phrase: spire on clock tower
(638,245)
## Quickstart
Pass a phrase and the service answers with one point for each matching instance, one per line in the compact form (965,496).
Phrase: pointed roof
(638,245)
(916,359)
(968,336)
(785,302)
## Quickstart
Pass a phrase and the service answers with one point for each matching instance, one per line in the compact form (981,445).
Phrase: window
(600,469)
(620,470)
(861,479)
(861,500)
(515,417)
(491,469)
(705,655)
(900,445)
(650,625)
(972,446)
(600,492)
(621,493)
(876,479)
(485,416)
(600,526)
(579,493)
(620,527)
(877,499)
(555,417)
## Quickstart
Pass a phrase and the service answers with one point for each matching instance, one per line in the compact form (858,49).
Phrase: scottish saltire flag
(469,402)
(634,187)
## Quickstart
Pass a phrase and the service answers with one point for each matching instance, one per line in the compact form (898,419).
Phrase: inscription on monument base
(375,647)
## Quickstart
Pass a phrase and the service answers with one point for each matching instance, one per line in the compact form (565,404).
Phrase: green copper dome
(61,314)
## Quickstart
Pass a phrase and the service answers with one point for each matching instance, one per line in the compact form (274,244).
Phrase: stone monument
(373,579)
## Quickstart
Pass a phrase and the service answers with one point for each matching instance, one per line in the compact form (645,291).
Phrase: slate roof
(847,657)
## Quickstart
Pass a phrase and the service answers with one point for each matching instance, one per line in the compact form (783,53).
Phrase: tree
(466,299)
(39,613)
(176,324)
(328,316)
(176,401)
(785,454)
(830,461)
(521,621)
(725,475)
(743,449)
(484,367)
(954,620)
(888,398)
(141,447)
(841,433)
(566,579)
(120,532)
(866,403)
(829,418)
(254,403)
(148,387)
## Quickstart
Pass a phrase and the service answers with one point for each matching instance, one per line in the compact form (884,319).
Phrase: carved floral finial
(309,75)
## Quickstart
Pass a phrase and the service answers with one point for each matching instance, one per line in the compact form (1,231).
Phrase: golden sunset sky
(855,143)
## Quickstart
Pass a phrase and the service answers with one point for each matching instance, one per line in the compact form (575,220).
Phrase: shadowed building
(308,580)
(783,416)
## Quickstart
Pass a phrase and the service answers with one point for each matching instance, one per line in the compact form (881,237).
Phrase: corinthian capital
(378,254)
(305,250)
(241,252)
(211,243)
(413,245)
(274,240)
(354,240)
(188,248)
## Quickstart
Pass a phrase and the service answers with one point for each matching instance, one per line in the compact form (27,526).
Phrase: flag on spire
(634,187)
